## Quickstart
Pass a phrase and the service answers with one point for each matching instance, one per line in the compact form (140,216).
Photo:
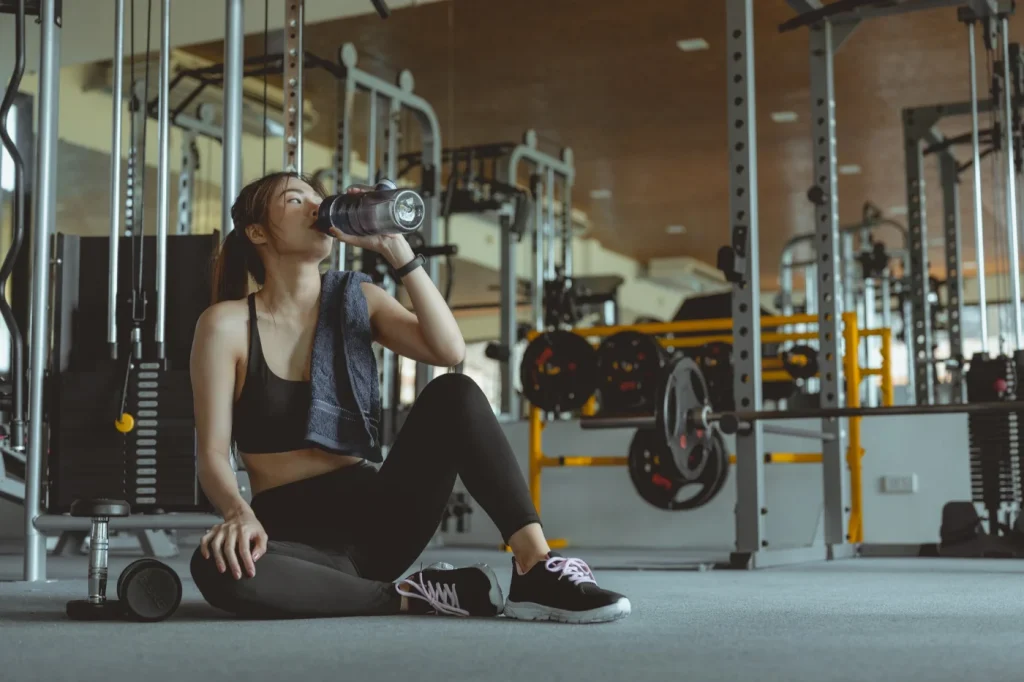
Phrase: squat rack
(829,27)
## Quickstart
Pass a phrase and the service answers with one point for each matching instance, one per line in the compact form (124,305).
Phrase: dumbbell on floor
(147,589)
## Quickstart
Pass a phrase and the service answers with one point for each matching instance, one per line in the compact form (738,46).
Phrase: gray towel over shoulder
(344,413)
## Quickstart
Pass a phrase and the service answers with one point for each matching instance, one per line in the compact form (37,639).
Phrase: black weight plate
(152,591)
(716,473)
(646,463)
(629,368)
(801,361)
(682,392)
(559,371)
(715,362)
(83,609)
(129,570)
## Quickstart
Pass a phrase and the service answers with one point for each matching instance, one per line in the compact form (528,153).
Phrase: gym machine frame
(351,79)
(37,523)
(546,170)
(829,28)
(921,138)
(538,460)
(398,97)
(787,264)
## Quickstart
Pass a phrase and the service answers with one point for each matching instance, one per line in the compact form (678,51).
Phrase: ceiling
(646,121)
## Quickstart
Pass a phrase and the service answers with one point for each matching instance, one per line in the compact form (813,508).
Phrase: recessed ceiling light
(784,116)
(692,44)
(897,210)
(675,229)
(849,169)
(600,194)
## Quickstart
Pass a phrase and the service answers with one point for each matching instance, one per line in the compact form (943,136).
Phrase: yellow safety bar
(851,367)
(854,375)
(613,461)
(684,326)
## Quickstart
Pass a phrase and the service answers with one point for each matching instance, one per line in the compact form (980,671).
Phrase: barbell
(685,418)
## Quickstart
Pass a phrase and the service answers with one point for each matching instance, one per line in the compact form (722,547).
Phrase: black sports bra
(271,413)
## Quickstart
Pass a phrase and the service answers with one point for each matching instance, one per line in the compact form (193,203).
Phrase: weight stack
(153,466)
(994,438)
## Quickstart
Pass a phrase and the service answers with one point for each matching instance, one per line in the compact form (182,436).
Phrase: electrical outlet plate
(902,483)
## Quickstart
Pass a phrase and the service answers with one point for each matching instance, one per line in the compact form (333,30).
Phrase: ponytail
(238,259)
(230,270)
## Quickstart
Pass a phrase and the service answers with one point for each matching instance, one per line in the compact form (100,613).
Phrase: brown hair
(237,259)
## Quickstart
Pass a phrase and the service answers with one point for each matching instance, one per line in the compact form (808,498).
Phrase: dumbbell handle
(99,546)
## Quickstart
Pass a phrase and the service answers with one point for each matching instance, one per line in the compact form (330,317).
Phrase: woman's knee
(456,387)
(220,590)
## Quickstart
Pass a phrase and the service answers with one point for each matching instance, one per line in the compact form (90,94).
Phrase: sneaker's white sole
(536,612)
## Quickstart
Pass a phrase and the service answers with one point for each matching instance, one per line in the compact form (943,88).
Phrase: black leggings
(337,542)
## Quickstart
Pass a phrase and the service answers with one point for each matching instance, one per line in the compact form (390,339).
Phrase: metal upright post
(343,158)
(919,326)
(979,240)
(886,299)
(163,172)
(786,292)
(371,140)
(551,234)
(567,232)
(293,61)
(115,176)
(1012,228)
(186,182)
(812,385)
(539,270)
(869,344)
(830,286)
(954,278)
(746,294)
(849,271)
(394,132)
(509,318)
(389,360)
(44,214)
(231,146)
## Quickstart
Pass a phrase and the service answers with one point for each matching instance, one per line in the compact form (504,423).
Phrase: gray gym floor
(927,620)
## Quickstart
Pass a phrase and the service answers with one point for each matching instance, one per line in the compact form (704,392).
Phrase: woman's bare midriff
(272,469)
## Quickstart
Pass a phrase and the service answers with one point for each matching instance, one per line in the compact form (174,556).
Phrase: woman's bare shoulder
(224,323)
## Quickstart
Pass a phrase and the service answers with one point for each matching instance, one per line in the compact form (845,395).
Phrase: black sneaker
(444,590)
(562,590)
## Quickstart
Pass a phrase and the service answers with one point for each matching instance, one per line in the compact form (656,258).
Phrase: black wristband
(416,262)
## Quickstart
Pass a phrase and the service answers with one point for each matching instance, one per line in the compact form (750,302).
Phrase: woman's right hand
(237,543)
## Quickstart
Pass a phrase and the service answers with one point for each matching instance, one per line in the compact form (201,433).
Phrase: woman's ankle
(529,547)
